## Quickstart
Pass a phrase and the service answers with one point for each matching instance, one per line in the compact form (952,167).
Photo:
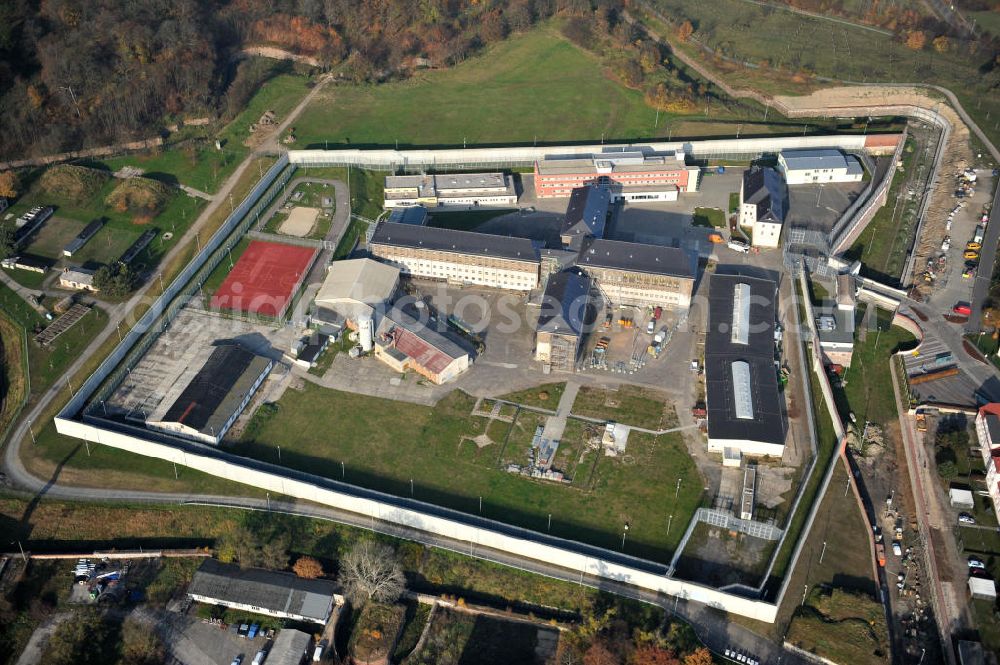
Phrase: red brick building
(633,176)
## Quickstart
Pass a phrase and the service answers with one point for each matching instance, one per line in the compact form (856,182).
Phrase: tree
(371,571)
(140,644)
(700,656)
(916,40)
(10,185)
(600,654)
(650,654)
(941,44)
(7,246)
(116,280)
(308,567)
(685,31)
(273,553)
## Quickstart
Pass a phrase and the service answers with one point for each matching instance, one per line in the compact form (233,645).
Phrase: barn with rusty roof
(408,340)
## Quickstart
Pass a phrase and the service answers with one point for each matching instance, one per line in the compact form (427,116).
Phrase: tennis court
(265,279)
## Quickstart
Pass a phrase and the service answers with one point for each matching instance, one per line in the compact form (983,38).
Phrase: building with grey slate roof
(562,319)
(214,397)
(763,205)
(819,165)
(290,647)
(745,407)
(269,592)
(458,257)
(586,215)
(638,275)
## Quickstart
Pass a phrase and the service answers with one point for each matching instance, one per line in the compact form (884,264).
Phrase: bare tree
(371,571)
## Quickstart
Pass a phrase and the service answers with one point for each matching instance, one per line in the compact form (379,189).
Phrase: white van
(978,237)
(318,653)
(739,246)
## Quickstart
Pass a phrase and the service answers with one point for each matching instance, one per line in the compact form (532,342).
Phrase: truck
(921,421)
(880,554)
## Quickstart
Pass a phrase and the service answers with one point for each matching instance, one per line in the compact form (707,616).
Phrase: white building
(80,279)
(819,165)
(451,190)
(763,205)
(356,288)
(458,257)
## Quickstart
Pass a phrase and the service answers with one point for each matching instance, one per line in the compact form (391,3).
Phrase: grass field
(456,638)
(710,218)
(842,627)
(882,246)
(784,50)
(13,382)
(630,405)
(868,392)
(385,444)
(313,194)
(545,396)
(492,98)
(195,162)
(118,233)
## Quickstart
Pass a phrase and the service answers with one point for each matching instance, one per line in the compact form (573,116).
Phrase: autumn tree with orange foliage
(685,31)
(308,568)
(10,185)
(650,654)
(916,40)
(942,44)
(700,656)
(301,35)
(600,654)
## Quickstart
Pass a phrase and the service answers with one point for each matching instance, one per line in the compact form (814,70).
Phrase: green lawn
(842,627)
(709,217)
(868,392)
(545,396)
(533,86)
(195,161)
(118,233)
(627,404)
(383,444)
(46,364)
(881,247)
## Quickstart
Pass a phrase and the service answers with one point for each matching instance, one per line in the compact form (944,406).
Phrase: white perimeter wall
(564,557)
(529,154)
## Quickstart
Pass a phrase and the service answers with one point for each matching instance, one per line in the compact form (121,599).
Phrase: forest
(82,73)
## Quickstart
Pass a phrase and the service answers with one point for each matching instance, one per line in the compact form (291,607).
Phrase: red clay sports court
(264,279)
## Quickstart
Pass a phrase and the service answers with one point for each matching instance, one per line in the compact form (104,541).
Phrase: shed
(961,498)
(982,588)
(290,647)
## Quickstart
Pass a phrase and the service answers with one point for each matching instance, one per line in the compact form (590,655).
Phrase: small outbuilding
(983,588)
(290,647)
(79,279)
(961,498)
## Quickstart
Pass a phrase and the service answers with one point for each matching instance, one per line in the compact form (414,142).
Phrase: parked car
(962,308)
(976,562)
(739,246)
(897,549)
(259,658)
(971,254)
(237,660)
(966,518)
(968,273)
(244,629)
(318,653)
(650,327)
(252,633)
(973,246)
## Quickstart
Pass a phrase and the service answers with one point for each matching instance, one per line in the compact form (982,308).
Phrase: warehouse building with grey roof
(745,408)
(269,592)
(562,320)
(212,399)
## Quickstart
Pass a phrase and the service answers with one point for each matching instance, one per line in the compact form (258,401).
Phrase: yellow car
(974,246)
(971,255)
